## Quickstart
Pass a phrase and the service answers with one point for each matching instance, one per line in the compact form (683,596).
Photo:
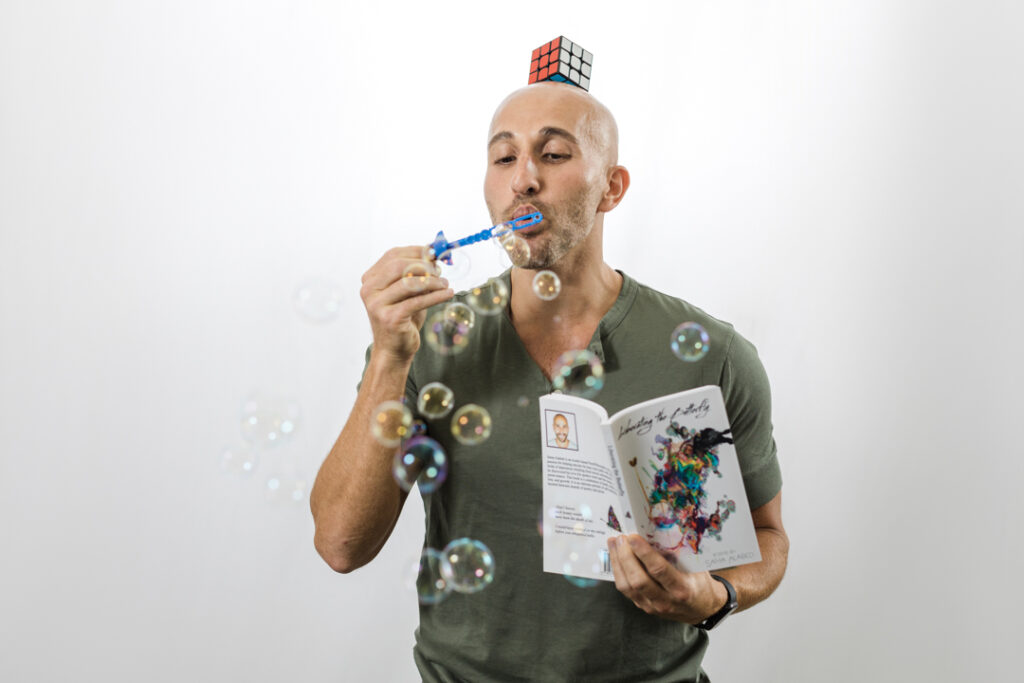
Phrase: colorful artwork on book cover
(684,460)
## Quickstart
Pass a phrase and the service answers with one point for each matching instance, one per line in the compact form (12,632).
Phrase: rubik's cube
(561,60)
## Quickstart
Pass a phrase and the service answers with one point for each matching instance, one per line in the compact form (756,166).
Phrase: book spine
(627,521)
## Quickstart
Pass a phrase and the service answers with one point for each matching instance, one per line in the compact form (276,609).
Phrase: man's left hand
(658,588)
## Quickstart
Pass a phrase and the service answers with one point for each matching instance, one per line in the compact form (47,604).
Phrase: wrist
(384,363)
(723,608)
(385,376)
(719,598)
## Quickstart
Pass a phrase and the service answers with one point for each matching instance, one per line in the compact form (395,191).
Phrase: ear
(618,183)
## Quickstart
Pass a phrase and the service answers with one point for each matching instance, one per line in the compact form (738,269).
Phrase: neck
(589,286)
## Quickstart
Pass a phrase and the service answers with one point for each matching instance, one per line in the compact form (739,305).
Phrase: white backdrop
(841,180)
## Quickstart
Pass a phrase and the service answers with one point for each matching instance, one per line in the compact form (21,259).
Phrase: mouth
(524,210)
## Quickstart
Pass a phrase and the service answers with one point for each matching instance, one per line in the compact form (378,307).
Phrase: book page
(683,479)
(583,489)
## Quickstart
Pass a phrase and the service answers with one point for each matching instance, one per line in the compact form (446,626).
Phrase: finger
(643,589)
(402,289)
(617,571)
(393,264)
(657,567)
(413,305)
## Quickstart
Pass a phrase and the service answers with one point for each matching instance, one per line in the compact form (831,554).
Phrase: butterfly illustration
(613,521)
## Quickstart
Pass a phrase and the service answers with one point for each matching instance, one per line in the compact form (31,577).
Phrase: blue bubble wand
(441,249)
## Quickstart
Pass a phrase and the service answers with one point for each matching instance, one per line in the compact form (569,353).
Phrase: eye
(555,156)
(505,160)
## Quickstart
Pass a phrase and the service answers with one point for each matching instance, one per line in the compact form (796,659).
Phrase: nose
(524,180)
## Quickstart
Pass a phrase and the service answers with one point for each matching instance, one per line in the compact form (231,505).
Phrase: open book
(665,469)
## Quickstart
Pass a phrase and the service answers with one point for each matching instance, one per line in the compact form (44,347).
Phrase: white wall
(841,180)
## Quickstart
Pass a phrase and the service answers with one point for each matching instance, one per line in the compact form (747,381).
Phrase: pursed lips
(523,210)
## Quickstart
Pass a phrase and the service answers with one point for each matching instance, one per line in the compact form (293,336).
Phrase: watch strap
(730,606)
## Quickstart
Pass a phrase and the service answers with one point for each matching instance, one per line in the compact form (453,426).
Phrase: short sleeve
(748,403)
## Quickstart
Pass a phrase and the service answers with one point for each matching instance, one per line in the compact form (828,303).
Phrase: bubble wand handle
(441,248)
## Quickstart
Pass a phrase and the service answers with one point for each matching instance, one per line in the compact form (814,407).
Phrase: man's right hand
(396,309)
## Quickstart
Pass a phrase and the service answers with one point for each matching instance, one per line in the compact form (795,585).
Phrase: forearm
(355,500)
(755,582)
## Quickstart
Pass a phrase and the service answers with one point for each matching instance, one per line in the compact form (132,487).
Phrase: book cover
(665,469)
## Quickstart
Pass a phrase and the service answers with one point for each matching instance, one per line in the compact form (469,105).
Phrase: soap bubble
(419,428)
(471,424)
(445,336)
(580,581)
(431,585)
(689,342)
(522,401)
(579,373)
(516,249)
(502,231)
(459,267)
(417,275)
(435,400)
(284,487)
(546,285)
(467,565)
(421,460)
(460,314)
(391,423)
(576,564)
(239,460)
(489,298)
(268,420)
(318,300)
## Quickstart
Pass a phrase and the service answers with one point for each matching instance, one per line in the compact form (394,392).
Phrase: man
(552,148)
(560,432)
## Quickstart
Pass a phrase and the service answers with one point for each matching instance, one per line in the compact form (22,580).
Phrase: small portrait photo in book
(560,430)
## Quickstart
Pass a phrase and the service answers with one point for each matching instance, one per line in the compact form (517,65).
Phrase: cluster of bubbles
(464,565)
(266,423)
(689,342)
(420,459)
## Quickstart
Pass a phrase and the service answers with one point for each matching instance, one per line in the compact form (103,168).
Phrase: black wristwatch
(730,607)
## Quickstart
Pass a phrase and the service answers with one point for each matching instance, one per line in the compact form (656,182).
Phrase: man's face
(544,157)
(561,428)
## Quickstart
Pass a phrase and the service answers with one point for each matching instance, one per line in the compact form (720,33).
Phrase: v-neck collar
(612,319)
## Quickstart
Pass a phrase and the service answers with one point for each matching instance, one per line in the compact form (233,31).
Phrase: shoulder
(654,308)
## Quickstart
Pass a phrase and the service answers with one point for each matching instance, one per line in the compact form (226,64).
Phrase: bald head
(595,124)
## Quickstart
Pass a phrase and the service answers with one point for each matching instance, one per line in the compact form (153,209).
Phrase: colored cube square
(561,60)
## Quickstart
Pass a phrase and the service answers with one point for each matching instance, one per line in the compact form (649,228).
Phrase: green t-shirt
(528,625)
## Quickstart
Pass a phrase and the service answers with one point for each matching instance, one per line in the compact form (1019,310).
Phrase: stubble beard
(566,228)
